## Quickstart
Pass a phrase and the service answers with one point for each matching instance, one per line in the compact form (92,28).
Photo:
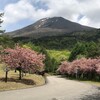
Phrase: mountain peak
(53,26)
(58,23)
(53,22)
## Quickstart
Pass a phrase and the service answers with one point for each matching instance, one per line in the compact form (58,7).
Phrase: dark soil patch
(23,81)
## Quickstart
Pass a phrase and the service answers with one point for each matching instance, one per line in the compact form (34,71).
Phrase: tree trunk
(6,76)
(20,76)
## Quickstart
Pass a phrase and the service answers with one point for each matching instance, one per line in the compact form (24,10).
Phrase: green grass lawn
(59,55)
(30,80)
(93,83)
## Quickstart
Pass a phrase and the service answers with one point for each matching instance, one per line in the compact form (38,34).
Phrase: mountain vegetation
(66,41)
(1,14)
(85,49)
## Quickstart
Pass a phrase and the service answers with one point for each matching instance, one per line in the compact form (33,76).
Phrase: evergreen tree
(78,49)
(93,50)
(48,62)
(1,21)
(54,65)
(84,49)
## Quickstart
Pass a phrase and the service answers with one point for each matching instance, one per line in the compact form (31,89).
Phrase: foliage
(22,59)
(1,21)
(6,41)
(78,49)
(83,68)
(59,55)
(93,49)
(90,49)
(53,57)
(55,42)
(66,41)
(54,66)
(48,62)
(30,45)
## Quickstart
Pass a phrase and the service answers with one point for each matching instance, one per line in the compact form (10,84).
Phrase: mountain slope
(49,27)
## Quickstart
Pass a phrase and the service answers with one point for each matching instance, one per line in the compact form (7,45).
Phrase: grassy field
(59,55)
(30,80)
(93,83)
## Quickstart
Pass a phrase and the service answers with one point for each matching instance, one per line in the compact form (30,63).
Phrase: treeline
(6,41)
(85,49)
(55,42)
(66,41)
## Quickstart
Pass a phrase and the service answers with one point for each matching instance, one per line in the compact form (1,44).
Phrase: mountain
(46,27)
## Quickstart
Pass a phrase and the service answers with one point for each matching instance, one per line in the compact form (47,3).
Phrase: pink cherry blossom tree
(22,59)
(89,67)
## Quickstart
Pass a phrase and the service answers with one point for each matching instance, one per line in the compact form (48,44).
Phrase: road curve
(57,88)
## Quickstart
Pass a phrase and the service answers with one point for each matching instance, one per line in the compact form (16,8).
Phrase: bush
(88,50)
(82,68)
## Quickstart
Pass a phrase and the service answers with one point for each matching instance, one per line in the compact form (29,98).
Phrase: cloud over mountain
(85,12)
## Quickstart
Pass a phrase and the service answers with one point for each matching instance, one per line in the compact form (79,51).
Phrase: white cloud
(17,11)
(69,9)
(84,21)
(23,9)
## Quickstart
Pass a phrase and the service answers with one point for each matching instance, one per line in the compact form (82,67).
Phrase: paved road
(56,89)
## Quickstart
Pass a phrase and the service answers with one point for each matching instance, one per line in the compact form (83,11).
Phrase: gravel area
(95,96)
(57,88)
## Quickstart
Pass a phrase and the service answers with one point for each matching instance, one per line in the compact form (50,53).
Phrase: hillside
(54,26)
(66,41)
(59,55)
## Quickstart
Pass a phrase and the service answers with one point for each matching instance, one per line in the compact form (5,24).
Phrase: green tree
(79,48)
(54,65)
(6,41)
(48,61)
(31,46)
(1,21)
(84,49)
(93,50)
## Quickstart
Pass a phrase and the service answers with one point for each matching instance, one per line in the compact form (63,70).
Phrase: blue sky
(6,2)
(20,13)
